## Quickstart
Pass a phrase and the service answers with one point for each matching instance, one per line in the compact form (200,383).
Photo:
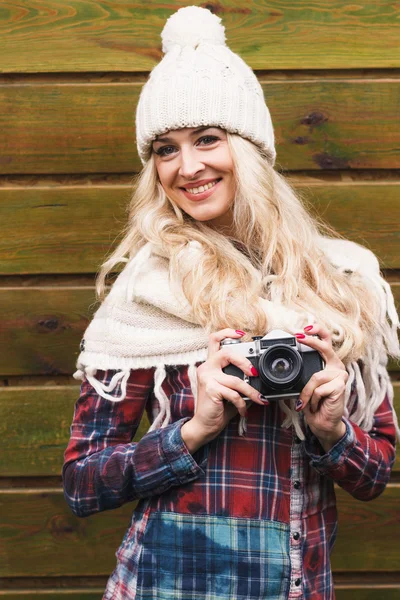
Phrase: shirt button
(297,440)
(296,535)
(297,485)
(297,582)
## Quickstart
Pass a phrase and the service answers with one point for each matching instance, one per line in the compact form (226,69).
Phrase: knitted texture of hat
(200,81)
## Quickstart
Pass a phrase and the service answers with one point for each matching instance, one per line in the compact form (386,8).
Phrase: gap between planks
(139,77)
(126,180)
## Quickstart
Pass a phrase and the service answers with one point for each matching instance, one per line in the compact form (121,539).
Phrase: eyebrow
(195,132)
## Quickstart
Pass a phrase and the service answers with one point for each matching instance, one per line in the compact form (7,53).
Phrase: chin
(207,214)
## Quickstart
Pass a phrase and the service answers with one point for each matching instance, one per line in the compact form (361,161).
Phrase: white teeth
(202,188)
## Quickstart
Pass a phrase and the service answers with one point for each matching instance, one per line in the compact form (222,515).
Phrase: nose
(190,164)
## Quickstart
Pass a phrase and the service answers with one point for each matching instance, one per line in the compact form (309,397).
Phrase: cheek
(232,186)
(164,175)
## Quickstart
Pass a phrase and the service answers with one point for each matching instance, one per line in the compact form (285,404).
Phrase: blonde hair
(275,255)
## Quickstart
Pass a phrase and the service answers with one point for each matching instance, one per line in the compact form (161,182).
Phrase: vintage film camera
(284,364)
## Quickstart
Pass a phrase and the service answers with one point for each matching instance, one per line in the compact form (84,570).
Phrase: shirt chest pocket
(204,556)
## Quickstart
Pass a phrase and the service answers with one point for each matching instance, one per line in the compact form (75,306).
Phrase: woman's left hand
(323,397)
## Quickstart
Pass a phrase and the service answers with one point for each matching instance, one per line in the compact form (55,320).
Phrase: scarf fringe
(163,417)
(103,389)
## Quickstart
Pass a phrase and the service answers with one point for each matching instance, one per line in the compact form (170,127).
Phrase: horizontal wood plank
(125,36)
(377,593)
(319,124)
(34,429)
(42,329)
(368,532)
(39,524)
(70,229)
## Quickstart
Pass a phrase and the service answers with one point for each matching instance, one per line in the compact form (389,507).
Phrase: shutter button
(297,485)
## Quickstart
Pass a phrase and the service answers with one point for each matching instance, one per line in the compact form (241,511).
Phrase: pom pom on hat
(191,26)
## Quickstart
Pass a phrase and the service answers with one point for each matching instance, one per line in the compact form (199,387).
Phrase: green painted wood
(44,328)
(60,230)
(70,229)
(35,429)
(35,424)
(38,524)
(366,214)
(368,532)
(319,124)
(376,593)
(125,36)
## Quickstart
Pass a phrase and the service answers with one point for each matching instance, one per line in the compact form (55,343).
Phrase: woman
(235,488)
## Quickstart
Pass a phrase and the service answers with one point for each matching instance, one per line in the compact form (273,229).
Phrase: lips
(200,183)
(201,195)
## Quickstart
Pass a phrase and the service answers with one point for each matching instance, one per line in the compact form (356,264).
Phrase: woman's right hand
(218,394)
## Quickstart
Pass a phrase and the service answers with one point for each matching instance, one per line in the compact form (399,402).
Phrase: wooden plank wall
(70,75)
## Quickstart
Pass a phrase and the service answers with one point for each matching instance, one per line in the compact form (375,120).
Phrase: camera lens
(280,366)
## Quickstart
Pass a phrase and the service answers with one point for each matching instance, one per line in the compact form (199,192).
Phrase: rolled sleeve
(361,461)
(327,462)
(184,466)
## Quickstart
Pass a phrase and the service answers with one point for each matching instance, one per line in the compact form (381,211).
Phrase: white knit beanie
(200,81)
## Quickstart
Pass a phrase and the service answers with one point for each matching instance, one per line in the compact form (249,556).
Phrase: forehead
(179,135)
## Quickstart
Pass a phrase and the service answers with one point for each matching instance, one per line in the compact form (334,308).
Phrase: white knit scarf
(146,322)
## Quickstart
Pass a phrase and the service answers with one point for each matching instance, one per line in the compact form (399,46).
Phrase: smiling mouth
(202,188)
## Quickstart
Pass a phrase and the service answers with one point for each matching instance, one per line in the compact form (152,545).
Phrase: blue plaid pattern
(214,558)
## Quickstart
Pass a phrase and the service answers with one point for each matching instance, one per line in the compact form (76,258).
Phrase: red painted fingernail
(240,332)
(299,405)
(264,399)
(308,328)
(299,336)
(254,372)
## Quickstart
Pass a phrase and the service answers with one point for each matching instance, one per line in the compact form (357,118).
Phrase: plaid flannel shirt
(243,518)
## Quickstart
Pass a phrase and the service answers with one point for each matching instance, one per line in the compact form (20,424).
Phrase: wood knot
(211,7)
(314,119)
(50,324)
(325,161)
(59,526)
(300,140)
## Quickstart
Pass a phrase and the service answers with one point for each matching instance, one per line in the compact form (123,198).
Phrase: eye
(165,150)
(208,139)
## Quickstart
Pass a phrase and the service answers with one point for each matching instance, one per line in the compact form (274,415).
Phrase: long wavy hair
(275,255)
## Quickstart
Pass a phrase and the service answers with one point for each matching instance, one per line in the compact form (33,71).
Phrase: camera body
(284,364)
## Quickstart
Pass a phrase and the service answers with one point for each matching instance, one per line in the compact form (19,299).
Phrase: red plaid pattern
(267,479)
